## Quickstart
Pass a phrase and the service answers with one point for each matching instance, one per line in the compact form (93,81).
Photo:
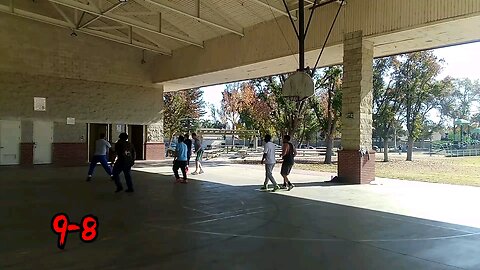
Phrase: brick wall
(86,101)
(69,154)
(154,151)
(37,48)
(26,154)
(354,168)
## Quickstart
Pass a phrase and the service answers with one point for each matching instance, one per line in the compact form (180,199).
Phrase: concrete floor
(221,221)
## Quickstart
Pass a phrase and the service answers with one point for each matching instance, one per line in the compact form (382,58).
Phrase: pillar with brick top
(356,160)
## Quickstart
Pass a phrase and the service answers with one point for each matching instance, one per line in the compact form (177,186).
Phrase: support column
(26,145)
(155,146)
(356,160)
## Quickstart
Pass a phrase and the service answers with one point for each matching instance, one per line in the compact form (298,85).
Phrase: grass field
(435,169)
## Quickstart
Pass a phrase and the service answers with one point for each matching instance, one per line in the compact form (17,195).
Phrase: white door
(42,142)
(10,133)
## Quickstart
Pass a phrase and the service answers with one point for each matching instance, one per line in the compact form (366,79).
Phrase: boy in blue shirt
(181,160)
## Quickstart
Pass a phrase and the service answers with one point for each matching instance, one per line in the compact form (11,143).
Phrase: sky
(461,61)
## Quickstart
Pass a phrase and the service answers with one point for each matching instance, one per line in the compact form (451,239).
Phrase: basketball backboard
(300,85)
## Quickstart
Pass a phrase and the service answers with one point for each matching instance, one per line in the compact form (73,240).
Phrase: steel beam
(283,12)
(63,24)
(110,9)
(183,13)
(149,38)
(108,27)
(136,13)
(123,20)
(60,11)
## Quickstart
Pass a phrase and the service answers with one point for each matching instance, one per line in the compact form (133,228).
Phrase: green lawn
(435,169)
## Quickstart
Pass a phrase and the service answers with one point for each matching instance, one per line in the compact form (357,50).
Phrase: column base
(154,151)
(69,154)
(26,154)
(354,168)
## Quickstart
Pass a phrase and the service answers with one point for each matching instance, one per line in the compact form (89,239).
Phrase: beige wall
(37,48)
(393,26)
(85,101)
(27,131)
(70,133)
(375,17)
(87,78)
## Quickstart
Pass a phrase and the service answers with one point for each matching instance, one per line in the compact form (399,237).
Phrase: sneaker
(194,173)
(284,186)
(290,187)
(201,172)
(264,187)
(184,181)
(89,178)
(275,188)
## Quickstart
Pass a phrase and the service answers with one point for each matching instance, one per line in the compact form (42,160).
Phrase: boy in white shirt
(269,160)
(100,155)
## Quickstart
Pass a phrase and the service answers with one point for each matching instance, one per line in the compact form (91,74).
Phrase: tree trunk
(330,129)
(385,149)
(395,138)
(328,155)
(410,149)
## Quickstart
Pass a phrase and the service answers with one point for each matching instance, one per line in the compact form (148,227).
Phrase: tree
(476,119)
(173,111)
(387,100)
(286,115)
(459,104)
(414,75)
(214,121)
(232,103)
(327,105)
(182,112)
(308,127)
(256,112)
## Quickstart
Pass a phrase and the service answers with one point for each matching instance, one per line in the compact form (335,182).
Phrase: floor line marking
(313,239)
(244,214)
(420,223)
(197,210)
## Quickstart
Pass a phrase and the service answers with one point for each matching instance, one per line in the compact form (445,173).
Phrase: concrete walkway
(221,221)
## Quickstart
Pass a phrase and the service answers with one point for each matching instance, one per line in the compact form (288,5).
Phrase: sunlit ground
(434,169)
(447,203)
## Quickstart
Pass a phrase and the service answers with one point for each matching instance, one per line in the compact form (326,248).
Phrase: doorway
(42,142)
(137,138)
(94,134)
(10,133)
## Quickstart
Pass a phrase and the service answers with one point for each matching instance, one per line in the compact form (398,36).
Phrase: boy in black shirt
(188,142)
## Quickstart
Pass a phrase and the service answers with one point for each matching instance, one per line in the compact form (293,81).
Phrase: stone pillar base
(26,154)
(154,151)
(70,154)
(355,169)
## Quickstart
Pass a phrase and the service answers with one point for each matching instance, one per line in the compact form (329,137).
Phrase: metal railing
(462,152)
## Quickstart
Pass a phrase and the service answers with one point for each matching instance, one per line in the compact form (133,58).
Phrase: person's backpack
(129,154)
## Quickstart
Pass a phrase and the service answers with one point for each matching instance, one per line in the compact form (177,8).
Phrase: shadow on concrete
(206,225)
